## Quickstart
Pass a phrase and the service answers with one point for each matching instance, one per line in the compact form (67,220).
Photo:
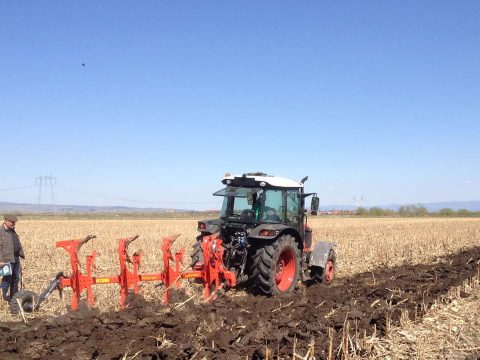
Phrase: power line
(18,188)
(94,194)
(47,185)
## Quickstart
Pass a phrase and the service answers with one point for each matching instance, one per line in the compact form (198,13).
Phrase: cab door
(293,215)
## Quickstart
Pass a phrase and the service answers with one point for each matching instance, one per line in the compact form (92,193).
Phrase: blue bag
(5,269)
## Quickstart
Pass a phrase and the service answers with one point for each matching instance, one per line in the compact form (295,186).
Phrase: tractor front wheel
(275,267)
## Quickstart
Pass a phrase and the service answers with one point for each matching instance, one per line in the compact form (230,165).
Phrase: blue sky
(379,99)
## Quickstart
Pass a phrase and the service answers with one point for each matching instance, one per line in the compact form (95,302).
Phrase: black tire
(27,300)
(266,277)
(197,253)
(320,276)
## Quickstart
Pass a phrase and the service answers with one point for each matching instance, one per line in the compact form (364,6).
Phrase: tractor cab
(256,205)
(257,198)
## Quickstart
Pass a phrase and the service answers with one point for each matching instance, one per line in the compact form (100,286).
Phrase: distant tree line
(415,211)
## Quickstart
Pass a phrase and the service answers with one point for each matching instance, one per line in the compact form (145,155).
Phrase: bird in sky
(83,64)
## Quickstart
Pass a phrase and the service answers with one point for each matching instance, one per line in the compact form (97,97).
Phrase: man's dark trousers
(10,282)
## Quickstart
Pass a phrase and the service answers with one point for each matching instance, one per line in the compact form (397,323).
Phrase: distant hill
(454,205)
(35,208)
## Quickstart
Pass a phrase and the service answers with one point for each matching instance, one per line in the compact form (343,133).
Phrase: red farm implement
(211,273)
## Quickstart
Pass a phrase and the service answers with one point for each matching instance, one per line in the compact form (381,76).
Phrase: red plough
(212,272)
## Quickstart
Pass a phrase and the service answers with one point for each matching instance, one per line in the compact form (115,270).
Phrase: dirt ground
(239,325)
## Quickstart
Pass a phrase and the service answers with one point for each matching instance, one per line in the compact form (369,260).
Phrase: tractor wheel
(324,275)
(275,268)
(197,253)
(23,299)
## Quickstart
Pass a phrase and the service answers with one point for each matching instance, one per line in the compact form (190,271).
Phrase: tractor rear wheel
(197,253)
(23,299)
(275,268)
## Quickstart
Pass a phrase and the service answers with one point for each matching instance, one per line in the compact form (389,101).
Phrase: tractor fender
(277,231)
(208,227)
(321,252)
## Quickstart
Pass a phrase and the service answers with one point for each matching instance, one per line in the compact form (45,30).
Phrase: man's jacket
(6,246)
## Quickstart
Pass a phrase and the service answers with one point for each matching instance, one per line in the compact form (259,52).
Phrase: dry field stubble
(390,271)
(362,244)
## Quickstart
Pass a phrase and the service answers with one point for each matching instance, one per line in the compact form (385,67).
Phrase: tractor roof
(253,179)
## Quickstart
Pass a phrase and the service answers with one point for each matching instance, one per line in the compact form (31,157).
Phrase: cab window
(293,207)
(273,206)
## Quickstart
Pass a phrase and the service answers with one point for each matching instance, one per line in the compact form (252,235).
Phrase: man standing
(10,252)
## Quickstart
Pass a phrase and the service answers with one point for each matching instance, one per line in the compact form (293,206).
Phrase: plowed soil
(238,325)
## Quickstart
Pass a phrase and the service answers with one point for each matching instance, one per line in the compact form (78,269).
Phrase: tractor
(266,238)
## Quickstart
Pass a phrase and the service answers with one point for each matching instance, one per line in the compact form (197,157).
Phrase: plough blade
(212,273)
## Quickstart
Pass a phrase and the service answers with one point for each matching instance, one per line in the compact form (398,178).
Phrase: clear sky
(373,99)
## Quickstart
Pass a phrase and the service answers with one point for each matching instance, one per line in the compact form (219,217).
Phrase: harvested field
(391,271)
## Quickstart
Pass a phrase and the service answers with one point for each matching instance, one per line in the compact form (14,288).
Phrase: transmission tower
(46,182)
(358,201)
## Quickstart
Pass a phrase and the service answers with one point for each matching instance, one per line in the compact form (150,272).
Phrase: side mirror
(314,205)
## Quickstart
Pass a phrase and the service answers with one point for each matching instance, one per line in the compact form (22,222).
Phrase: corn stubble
(362,245)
